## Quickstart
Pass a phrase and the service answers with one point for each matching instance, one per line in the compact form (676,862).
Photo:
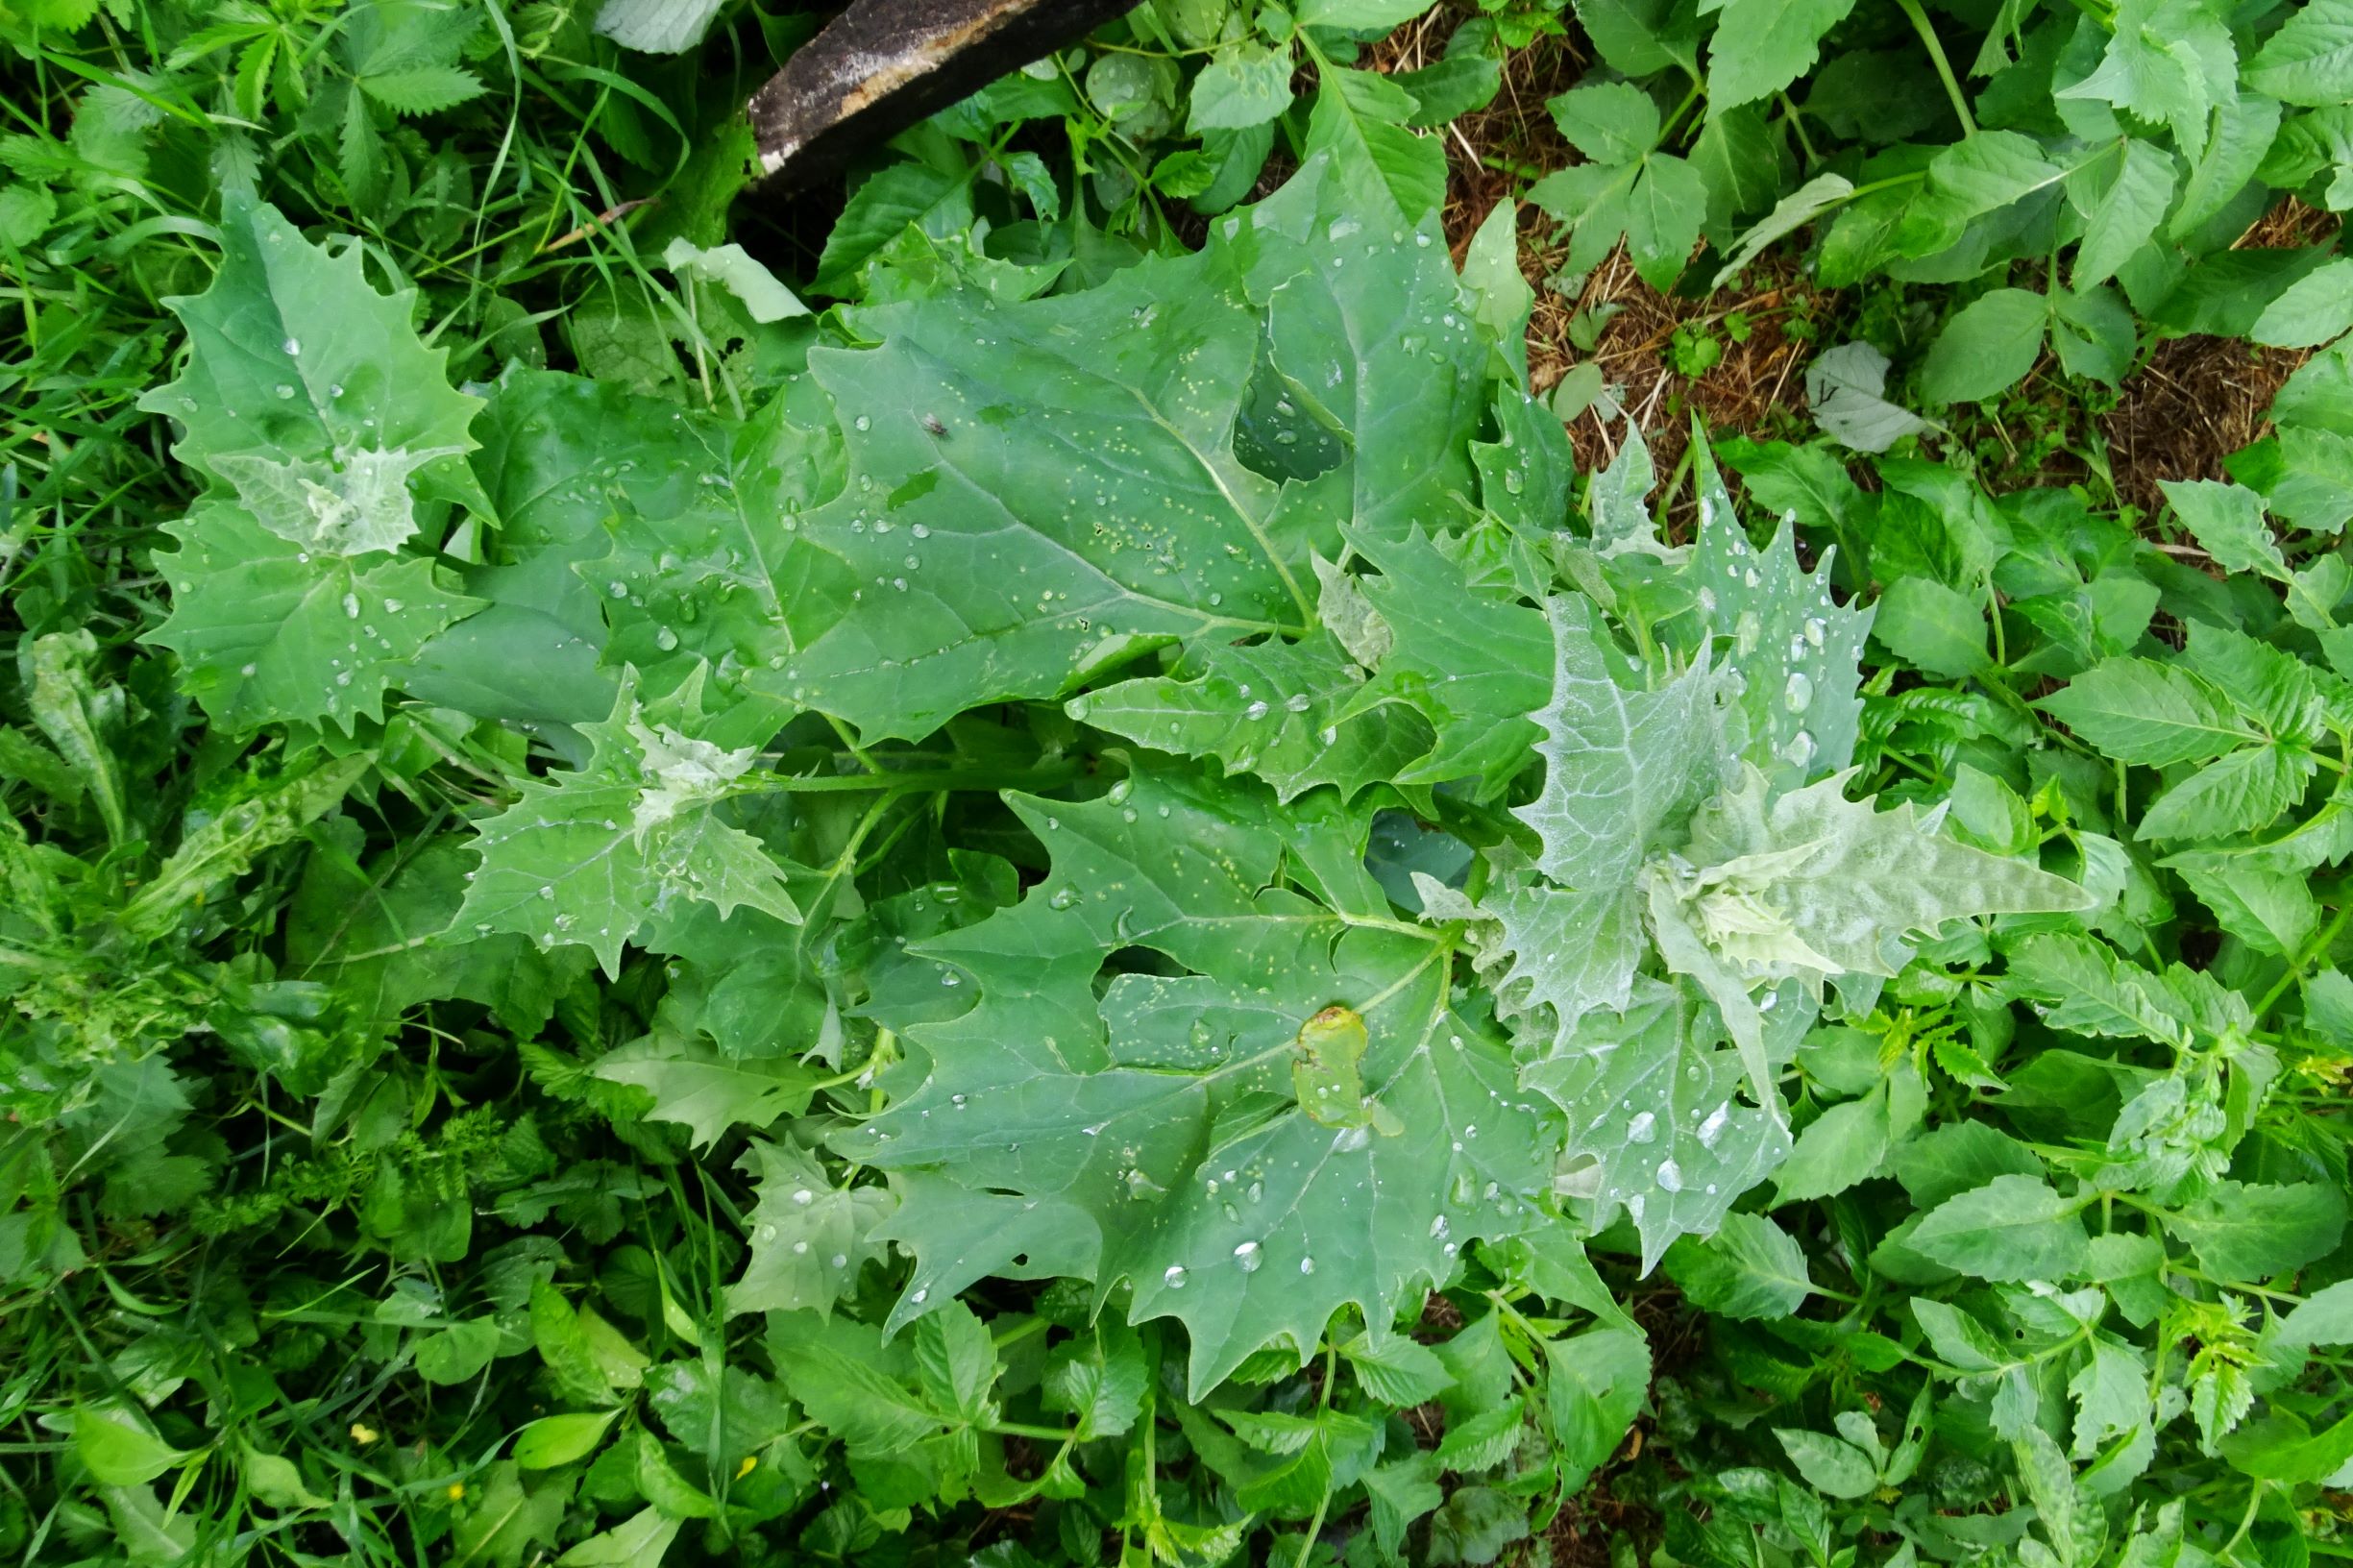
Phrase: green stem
(1944,66)
(941,781)
(2321,940)
(1018,1429)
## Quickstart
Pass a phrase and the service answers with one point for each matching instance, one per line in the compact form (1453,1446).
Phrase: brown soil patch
(2195,402)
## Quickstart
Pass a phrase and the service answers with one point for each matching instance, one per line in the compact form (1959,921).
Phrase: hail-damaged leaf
(353,503)
(1325,1074)
(1662,1119)
(1047,488)
(643,828)
(269,632)
(317,390)
(1159,1115)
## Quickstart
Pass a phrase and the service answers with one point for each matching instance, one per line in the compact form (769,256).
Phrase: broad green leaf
(956,1363)
(2111,1395)
(2136,710)
(1593,1390)
(2247,1232)
(1794,211)
(2244,127)
(1609,123)
(458,1352)
(2240,793)
(1396,1371)
(559,1439)
(856,1387)
(1842,1146)
(1637,38)
(2309,60)
(880,210)
(1762,46)
(268,631)
(2325,1317)
(1358,15)
(1465,656)
(1401,1492)
(643,1537)
(2012,1228)
(1986,348)
(118,1449)
(1243,85)
(1932,628)
(761,293)
(2317,306)
(1107,1107)
(2228,523)
(2086,986)
(2094,333)
(1283,711)
(1749,1269)
(1967,180)
(707,1093)
(2119,219)
(1101,1379)
(1360,121)
(809,1237)
(378,934)
(2165,61)
(608,847)
(1831,1465)
(1957,1156)
(656,27)
(1845,392)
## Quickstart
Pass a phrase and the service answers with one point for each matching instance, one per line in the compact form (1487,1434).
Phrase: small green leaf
(1749,1269)
(2012,1228)
(2246,1232)
(2315,308)
(119,1449)
(559,1439)
(1987,347)
(1829,1464)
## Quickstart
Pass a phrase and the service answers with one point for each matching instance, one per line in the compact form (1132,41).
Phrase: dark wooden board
(883,64)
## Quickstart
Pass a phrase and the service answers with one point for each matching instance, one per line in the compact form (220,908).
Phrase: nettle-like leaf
(1630,189)
(1170,1105)
(643,828)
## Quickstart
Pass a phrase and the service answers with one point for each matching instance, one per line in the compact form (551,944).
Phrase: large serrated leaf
(1163,1112)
